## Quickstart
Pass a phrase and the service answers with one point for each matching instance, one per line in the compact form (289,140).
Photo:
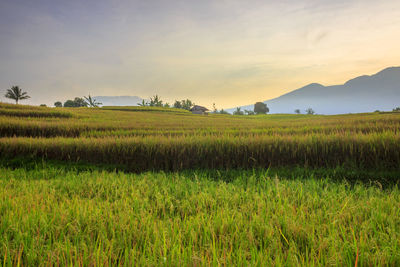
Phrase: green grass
(36,113)
(176,153)
(145,108)
(152,139)
(351,174)
(53,216)
(214,190)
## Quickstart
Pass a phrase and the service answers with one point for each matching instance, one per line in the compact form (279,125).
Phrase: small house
(199,110)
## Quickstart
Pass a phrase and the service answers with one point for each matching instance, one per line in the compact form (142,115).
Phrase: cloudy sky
(231,52)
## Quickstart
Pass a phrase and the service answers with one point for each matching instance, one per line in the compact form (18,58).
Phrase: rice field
(171,141)
(136,187)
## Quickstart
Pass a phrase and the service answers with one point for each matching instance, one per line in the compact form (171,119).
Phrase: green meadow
(163,187)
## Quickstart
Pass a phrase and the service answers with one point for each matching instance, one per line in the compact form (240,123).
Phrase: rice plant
(208,190)
(55,217)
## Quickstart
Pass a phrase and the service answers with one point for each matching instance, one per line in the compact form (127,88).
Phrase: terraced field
(142,186)
(169,141)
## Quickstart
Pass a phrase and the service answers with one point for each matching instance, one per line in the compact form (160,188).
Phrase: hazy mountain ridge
(119,100)
(380,91)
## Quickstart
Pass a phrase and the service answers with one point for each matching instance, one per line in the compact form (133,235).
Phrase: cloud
(244,51)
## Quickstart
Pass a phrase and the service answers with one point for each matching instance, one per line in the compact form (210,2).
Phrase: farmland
(169,141)
(143,186)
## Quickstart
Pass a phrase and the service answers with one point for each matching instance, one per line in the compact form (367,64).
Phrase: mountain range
(119,100)
(380,91)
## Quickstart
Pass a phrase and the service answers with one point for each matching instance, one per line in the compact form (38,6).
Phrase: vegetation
(214,109)
(142,104)
(238,111)
(76,103)
(260,108)
(156,138)
(207,190)
(145,109)
(249,112)
(51,215)
(310,111)
(91,102)
(223,112)
(8,111)
(58,104)
(176,153)
(156,101)
(297,111)
(184,104)
(16,94)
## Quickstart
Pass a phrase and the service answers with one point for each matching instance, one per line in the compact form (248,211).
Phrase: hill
(119,100)
(380,91)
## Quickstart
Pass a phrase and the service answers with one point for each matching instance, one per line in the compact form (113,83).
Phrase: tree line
(86,101)
(16,93)
(155,101)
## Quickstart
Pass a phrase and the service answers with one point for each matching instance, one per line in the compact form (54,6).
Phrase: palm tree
(238,111)
(92,102)
(155,101)
(310,111)
(16,94)
(187,104)
(143,103)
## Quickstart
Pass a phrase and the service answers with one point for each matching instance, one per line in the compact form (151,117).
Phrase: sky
(227,52)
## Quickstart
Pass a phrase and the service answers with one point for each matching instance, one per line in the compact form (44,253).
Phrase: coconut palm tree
(143,103)
(91,102)
(238,111)
(16,94)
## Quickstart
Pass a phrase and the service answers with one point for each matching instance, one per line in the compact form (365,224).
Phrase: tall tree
(177,104)
(16,94)
(77,102)
(215,110)
(92,102)
(187,104)
(155,101)
(310,111)
(80,102)
(260,108)
(238,111)
(58,104)
(184,104)
(143,103)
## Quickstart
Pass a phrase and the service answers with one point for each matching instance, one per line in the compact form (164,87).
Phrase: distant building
(199,110)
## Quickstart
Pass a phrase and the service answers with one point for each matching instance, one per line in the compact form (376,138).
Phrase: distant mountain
(118,100)
(380,91)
